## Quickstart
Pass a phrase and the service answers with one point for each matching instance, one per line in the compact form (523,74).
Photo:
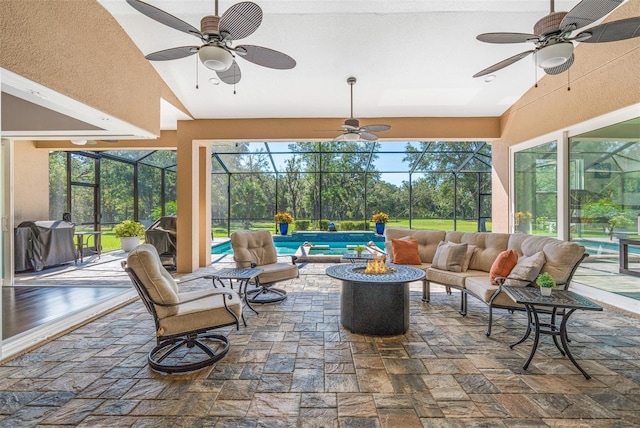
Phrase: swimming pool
(325,243)
(596,247)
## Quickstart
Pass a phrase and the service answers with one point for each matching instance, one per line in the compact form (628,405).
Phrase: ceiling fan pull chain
(536,74)
(197,72)
(569,80)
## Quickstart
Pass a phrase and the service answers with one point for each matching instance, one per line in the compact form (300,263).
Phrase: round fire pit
(375,303)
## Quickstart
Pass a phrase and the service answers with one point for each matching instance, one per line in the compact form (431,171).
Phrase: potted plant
(546,283)
(380,219)
(359,249)
(129,232)
(283,220)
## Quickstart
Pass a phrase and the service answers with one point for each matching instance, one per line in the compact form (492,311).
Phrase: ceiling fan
(217,34)
(86,142)
(351,130)
(552,38)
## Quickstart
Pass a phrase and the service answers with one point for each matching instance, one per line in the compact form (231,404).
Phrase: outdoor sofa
(535,255)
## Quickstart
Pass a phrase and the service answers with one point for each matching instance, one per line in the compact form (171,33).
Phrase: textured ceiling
(411,58)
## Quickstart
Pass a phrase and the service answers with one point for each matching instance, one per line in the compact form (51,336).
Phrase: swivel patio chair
(183,320)
(256,249)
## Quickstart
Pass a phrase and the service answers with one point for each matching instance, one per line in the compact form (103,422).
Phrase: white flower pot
(129,243)
(546,291)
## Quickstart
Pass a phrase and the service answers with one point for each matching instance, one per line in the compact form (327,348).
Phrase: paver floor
(294,365)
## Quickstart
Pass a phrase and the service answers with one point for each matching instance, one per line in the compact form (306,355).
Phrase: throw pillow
(405,252)
(503,264)
(471,250)
(449,256)
(526,270)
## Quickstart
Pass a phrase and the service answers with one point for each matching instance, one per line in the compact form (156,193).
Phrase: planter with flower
(380,220)
(283,220)
(129,232)
(523,221)
(546,283)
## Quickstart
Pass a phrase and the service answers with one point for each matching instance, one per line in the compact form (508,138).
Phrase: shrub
(323,224)
(303,224)
(128,229)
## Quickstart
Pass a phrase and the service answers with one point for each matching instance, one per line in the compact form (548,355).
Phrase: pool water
(337,242)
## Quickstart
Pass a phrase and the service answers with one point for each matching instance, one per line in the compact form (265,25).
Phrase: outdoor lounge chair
(183,320)
(256,249)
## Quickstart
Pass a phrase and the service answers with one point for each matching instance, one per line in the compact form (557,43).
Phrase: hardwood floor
(24,308)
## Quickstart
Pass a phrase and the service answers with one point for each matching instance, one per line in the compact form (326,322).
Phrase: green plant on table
(545,280)
(129,229)
(359,249)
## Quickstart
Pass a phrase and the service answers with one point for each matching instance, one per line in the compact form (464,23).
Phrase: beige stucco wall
(78,49)
(31,182)
(604,78)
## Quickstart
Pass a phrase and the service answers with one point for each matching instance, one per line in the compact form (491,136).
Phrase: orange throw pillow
(405,252)
(503,265)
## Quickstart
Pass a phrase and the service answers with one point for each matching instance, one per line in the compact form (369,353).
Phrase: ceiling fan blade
(561,68)
(612,31)
(266,57)
(173,53)
(368,136)
(375,128)
(230,76)
(506,37)
(163,17)
(241,20)
(502,64)
(587,12)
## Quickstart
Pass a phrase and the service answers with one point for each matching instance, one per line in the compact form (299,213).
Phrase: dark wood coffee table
(534,302)
(375,304)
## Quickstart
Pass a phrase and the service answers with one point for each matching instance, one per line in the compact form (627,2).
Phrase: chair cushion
(277,272)
(405,252)
(526,270)
(503,265)
(256,246)
(160,285)
(208,312)
(449,256)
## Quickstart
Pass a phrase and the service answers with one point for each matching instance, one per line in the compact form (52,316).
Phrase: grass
(433,224)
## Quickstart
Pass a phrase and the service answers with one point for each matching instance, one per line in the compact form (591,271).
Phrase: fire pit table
(375,303)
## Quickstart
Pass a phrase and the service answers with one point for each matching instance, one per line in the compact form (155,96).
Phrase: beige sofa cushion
(561,256)
(449,256)
(526,270)
(254,246)
(488,244)
(456,279)
(428,241)
(160,285)
(193,316)
(482,288)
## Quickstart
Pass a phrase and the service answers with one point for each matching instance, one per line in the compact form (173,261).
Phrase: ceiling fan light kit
(217,34)
(215,57)
(553,39)
(553,55)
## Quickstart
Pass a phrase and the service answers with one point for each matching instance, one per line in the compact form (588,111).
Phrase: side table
(81,244)
(534,302)
(242,275)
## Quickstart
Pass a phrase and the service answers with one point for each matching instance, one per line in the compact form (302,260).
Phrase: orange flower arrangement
(281,217)
(380,217)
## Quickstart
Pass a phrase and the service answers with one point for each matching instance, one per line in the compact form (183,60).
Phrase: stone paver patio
(295,366)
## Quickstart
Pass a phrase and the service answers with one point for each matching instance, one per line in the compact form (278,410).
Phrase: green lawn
(434,224)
